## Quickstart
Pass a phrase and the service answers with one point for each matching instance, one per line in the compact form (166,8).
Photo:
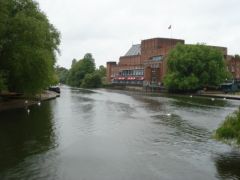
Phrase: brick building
(145,64)
(233,66)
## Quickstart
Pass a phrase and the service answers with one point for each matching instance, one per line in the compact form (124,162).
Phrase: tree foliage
(62,74)
(89,57)
(74,61)
(2,82)
(80,69)
(237,56)
(191,67)
(102,71)
(83,73)
(92,80)
(28,43)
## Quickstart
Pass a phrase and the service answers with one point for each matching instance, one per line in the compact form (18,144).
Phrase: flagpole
(171,38)
(170,28)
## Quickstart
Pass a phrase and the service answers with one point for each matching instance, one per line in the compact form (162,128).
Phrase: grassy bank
(229,131)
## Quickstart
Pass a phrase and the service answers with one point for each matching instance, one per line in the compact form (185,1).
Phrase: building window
(137,72)
(157,58)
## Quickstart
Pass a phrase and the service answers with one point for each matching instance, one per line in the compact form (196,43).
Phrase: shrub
(230,129)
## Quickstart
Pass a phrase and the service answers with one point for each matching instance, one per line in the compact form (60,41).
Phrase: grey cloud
(107,28)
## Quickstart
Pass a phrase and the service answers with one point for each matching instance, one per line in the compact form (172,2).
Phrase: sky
(108,28)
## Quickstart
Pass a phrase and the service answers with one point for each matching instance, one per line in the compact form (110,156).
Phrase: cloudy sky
(107,28)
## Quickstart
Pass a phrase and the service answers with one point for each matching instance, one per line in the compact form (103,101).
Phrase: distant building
(145,64)
(233,66)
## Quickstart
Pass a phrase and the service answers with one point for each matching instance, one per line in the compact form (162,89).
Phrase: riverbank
(218,94)
(22,102)
(207,94)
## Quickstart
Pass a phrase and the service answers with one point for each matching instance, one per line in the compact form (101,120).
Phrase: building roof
(134,50)
(161,38)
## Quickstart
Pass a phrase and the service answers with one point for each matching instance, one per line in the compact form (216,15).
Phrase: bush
(230,129)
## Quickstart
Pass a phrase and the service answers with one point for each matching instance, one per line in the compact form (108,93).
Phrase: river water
(116,135)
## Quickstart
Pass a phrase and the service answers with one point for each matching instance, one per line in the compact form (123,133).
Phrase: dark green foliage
(92,80)
(3,20)
(237,56)
(83,73)
(89,57)
(27,46)
(62,74)
(230,129)
(80,69)
(74,61)
(101,71)
(2,82)
(191,67)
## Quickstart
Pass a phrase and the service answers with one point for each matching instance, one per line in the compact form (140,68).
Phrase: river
(116,135)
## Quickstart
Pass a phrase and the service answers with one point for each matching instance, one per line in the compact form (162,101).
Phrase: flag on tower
(169,27)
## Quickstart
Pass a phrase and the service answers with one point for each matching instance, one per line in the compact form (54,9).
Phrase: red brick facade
(145,64)
(156,47)
(233,65)
(153,55)
(129,60)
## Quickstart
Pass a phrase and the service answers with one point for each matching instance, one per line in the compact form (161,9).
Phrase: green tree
(62,74)
(74,61)
(80,69)
(92,80)
(191,67)
(89,57)
(28,46)
(102,71)
(4,13)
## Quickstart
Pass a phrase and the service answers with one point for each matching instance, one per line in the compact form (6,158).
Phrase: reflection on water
(183,128)
(228,165)
(23,136)
(200,102)
(104,134)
